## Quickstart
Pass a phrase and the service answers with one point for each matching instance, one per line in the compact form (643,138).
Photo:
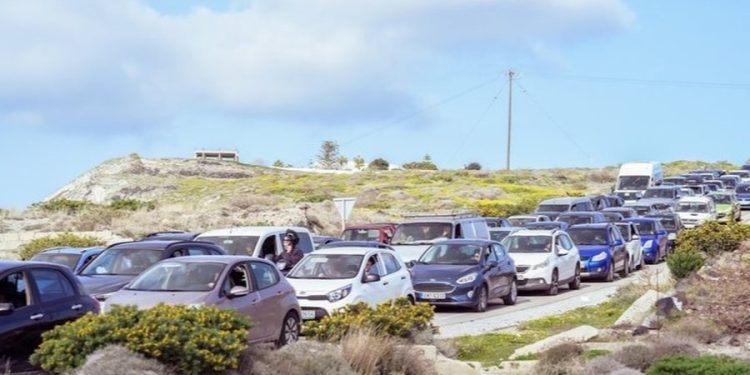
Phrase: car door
(495,271)
(21,326)
(395,276)
(248,305)
(57,297)
(272,293)
(618,248)
(375,292)
(567,263)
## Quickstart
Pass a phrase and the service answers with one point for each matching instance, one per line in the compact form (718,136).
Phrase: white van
(261,242)
(634,178)
(418,232)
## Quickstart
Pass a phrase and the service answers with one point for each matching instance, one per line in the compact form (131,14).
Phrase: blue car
(465,273)
(654,238)
(602,250)
(743,194)
(74,258)
(582,217)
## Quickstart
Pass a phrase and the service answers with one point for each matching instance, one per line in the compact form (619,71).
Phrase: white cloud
(104,64)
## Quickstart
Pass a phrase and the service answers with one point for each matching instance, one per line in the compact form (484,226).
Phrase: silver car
(252,286)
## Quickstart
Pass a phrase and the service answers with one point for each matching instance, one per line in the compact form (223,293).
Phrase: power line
(640,81)
(476,124)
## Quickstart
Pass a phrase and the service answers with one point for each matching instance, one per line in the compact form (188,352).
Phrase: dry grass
(300,358)
(562,359)
(635,356)
(372,354)
(703,331)
(117,360)
(602,365)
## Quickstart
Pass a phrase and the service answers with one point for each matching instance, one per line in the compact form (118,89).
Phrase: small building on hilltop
(222,155)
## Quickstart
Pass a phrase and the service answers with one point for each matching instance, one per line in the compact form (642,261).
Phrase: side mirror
(411,263)
(238,291)
(6,308)
(492,263)
(636,237)
(372,278)
(562,252)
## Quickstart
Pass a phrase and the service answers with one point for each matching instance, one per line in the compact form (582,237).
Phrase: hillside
(132,196)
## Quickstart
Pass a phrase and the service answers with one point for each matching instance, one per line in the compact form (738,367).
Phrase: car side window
(374,266)
(459,232)
(391,264)
(565,242)
(265,274)
(13,289)
(495,253)
(305,242)
(268,249)
(52,285)
(238,276)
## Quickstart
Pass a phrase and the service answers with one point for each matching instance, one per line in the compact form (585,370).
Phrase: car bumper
(650,254)
(318,309)
(536,283)
(458,296)
(590,269)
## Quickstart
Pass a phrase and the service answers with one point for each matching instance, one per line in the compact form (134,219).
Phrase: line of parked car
(457,259)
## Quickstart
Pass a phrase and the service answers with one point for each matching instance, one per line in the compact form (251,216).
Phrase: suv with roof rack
(418,232)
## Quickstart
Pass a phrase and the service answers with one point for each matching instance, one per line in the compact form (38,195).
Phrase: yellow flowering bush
(394,318)
(193,340)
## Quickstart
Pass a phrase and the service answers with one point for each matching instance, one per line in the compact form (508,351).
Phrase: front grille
(433,288)
(584,258)
(313,297)
(522,269)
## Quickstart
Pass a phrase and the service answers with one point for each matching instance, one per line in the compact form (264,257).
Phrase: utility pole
(510,101)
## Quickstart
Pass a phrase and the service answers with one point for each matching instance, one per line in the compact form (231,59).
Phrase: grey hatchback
(252,286)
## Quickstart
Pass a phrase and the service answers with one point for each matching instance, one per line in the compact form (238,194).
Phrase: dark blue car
(34,298)
(120,263)
(582,217)
(74,258)
(654,238)
(465,273)
(602,250)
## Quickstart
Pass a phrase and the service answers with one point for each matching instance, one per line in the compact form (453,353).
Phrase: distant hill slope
(198,195)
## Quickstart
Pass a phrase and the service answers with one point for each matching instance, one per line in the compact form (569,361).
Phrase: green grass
(594,353)
(492,348)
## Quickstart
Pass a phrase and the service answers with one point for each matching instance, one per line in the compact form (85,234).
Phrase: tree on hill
(329,155)
(425,164)
(379,164)
(359,162)
(278,164)
(473,166)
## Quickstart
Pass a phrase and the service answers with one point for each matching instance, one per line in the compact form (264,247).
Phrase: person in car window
(291,254)
(372,268)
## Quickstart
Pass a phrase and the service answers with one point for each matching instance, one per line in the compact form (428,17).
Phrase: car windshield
(234,245)
(452,254)
(729,182)
(520,221)
(116,261)
(498,235)
(574,219)
(612,217)
(528,244)
(633,182)
(414,233)
(646,227)
(669,223)
(69,260)
(588,236)
(327,266)
(624,229)
(659,193)
(675,180)
(553,208)
(179,277)
(721,198)
(361,235)
(742,174)
(743,189)
(692,207)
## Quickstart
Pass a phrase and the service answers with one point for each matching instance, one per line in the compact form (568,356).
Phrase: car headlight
(339,294)
(672,236)
(599,257)
(467,278)
(721,214)
(541,265)
(648,243)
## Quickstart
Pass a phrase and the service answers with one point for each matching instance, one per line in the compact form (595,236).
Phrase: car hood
(308,287)
(591,250)
(656,201)
(440,272)
(743,195)
(147,299)
(410,252)
(100,284)
(529,259)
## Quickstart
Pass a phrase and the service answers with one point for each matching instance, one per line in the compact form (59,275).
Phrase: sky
(596,82)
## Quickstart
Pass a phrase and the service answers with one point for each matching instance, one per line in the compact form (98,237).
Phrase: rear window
(234,245)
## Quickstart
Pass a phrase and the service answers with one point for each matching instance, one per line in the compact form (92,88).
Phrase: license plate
(519,277)
(308,314)
(432,295)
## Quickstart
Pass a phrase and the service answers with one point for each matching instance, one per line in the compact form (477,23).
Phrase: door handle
(37,316)
(278,293)
(403,277)
(76,307)
(385,283)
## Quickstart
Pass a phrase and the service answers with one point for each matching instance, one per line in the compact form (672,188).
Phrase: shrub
(501,208)
(635,356)
(299,358)
(713,237)
(63,239)
(684,262)
(371,354)
(672,346)
(395,318)
(193,340)
(69,206)
(131,205)
(560,353)
(704,365)
(703,331)
(118,360)
(378,164)
(602,365)
(473,166)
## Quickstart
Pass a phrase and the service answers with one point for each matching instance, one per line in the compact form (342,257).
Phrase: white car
(542,266)
(521,220)
(695,211)
(632,241)
(258,241)
(329,279)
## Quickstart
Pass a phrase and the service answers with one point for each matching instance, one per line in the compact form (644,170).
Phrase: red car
(380,232)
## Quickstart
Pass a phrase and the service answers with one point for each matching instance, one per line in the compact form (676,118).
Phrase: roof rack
(462,215)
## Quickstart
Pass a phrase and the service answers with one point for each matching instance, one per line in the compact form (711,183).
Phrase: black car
(34,298)
(583,217)
(320,241)
(172,236)
(626,212)
(465,273)
(614,201)
(118,264)
(672,223)
(612,216)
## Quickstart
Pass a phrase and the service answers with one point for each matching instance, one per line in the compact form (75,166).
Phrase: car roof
(670,187)
(70,250)
(370,226)
(617,209)
(465,241)
(529,216)
(249,231)
(695,199)
(350,250)
(505,229)
(440,218)
(591,226)
(13,264)
(225,259)
(580,213)
(153,244)
(564,200)
(641,219)
(535,232)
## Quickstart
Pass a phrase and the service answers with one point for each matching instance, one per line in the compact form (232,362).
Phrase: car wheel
(576,283)
(610,273)
(554,286)
(289,330)
(625,270)
(482,299)
(411,300)
(512,296)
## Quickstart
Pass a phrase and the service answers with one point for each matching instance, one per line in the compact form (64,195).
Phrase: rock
(653,321)
(511,367)
(447,366)
(668,306)
(579,334)
(639,310)
(640,330)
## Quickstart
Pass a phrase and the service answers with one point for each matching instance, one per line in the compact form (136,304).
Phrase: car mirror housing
(372,277)
(6,308)
(411,263)
(238,291)
(562,252)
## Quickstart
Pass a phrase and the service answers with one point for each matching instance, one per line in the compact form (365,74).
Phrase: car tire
(411,300)
(610,273)
(482,300)
(512,297)
(290,329)
(554,285)
(576,283)
(625,270)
